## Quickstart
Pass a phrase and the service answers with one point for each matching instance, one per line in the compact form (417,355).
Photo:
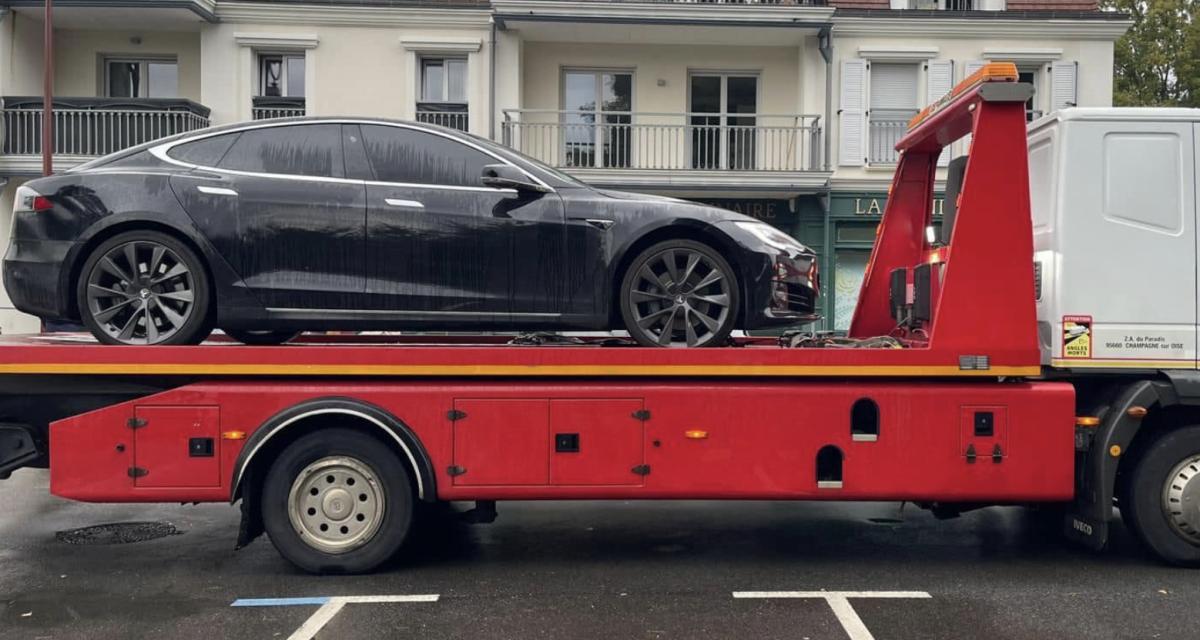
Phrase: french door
(596,118)
(722,110)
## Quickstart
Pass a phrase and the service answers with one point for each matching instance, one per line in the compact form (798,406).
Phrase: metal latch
(455,414)
(135,423)
(997,454)
(641,469)
(455,470)
(970,454)
(641,414)
(137,472)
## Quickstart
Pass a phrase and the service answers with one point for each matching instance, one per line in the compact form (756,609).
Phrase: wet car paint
(296,254)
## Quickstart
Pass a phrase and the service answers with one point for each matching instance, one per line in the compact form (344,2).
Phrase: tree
(1157,62)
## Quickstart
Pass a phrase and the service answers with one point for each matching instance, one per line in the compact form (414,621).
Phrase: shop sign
(776,212)
(868,205)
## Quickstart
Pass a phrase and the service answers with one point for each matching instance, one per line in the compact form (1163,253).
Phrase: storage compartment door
(176,447)
(597,442)
(501,442)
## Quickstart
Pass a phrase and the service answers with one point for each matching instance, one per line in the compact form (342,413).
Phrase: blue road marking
(279,602)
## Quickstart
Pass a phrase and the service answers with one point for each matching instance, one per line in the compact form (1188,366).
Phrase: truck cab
(1113,199)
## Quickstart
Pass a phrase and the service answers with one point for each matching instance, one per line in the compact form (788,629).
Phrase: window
(206,152)
(444,92)
(597,108)
(400,154)
(306,150)
(141,78)
(281,75)
(1030,77)
(725,139)
(893,101)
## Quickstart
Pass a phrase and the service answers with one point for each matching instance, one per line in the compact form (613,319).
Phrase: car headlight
(771,236)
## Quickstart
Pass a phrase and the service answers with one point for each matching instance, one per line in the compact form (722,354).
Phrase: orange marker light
(990,72)
(233,435)
(695,434)
(1087,421)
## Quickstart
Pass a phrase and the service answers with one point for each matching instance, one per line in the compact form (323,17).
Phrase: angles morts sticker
(1077,336)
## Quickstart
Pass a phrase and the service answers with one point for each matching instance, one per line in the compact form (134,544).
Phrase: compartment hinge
(455,414)
(137,472)
(641,469)
(641,414)
(455,470)
(135,423)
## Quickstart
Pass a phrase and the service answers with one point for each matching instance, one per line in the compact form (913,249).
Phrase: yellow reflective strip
(513,370)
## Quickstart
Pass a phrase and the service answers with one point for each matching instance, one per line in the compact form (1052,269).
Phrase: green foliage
(1157,62)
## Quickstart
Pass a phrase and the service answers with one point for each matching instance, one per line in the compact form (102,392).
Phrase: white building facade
(782,109)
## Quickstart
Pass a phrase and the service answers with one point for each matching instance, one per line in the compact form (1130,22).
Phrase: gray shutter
(969,67)
(1063,76)
(939,80)
(852,113)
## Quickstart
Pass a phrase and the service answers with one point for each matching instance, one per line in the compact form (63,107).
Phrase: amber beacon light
(990,72)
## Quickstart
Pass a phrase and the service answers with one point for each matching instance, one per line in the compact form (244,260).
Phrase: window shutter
(894,87)
(939,80)
(971,66)
(852,113)
(1062,85)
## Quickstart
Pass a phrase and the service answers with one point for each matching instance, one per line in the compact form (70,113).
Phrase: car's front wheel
(144,287)
(679,293)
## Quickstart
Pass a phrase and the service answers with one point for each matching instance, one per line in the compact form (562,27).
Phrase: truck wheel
(679,293)
(337,501)
(1162,500)
(144,287)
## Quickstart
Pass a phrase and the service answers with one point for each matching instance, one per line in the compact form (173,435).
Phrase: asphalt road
(639,570)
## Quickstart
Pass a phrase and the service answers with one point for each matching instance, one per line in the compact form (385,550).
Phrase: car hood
(708,210)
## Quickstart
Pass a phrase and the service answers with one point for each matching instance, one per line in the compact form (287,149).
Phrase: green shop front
(840,226)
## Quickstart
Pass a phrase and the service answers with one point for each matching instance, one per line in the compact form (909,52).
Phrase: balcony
(882,136)
(674,151)
(268,107)
(85,128)
(445,114)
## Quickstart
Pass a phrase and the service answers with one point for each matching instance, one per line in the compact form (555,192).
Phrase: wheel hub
(336,504)
(140,292)
(681,296)
(1181,499)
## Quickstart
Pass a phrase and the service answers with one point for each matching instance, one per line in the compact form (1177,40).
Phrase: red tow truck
(938,395)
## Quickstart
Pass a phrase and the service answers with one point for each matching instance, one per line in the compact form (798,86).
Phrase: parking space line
(330,606)
(839,602)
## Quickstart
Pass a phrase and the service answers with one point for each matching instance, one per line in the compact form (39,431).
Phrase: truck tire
(337,501)
(1161,501)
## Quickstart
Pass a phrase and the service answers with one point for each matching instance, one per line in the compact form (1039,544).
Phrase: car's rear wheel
(679,293)
(264,338)
(144,287)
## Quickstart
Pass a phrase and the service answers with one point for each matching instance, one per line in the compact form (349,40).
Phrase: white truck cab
(1113,197)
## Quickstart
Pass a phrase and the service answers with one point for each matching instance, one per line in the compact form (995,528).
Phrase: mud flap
(251,526)
(18,448)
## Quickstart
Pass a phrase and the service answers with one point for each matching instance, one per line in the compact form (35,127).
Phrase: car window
(206,152)
(304,150)
(400,154)
(357,165)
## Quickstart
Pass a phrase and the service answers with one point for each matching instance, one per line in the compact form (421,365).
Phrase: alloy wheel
(1181,499)
(141,292)
(681,296)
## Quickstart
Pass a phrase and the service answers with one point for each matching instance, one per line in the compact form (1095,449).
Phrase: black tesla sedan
(271,228)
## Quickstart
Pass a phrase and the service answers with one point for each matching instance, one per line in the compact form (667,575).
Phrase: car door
(442,245)
(298,227)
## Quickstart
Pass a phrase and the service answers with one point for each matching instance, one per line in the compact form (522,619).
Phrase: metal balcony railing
(454,119)
(882,136)
(667,141)
(789,3)
(268,107)
(96,126)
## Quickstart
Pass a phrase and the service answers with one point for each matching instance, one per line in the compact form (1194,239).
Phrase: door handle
(407,204)
(216,191)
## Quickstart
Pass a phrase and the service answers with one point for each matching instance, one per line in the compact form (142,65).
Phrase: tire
(261,338)
(1161,502)
(366,472)
(121,300)
(662,306)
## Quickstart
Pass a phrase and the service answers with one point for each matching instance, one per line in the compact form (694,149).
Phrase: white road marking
(330,607)
(839,602)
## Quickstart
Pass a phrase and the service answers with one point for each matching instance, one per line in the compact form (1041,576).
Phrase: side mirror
(506,176)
